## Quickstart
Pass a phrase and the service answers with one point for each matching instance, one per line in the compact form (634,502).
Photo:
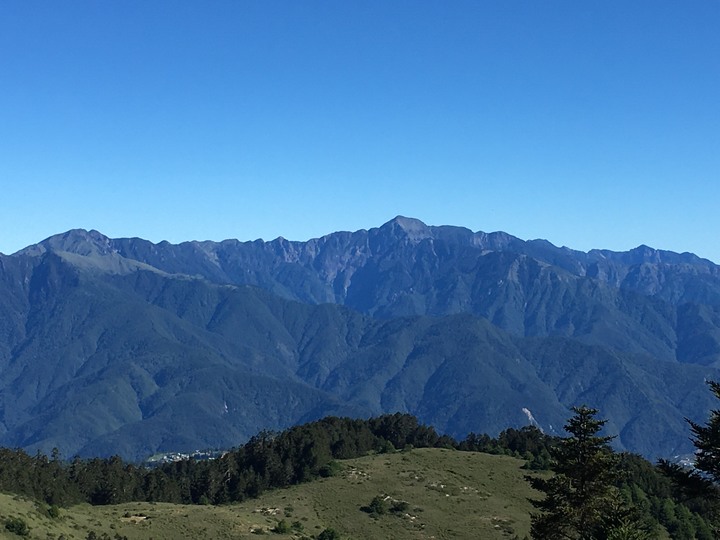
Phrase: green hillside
(449,494)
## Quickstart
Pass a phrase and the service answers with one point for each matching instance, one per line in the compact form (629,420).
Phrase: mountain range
(123,346)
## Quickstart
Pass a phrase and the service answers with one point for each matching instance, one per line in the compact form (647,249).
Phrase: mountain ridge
(111,345)
(498,238)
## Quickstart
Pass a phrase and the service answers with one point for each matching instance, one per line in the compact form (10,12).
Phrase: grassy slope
(450,494)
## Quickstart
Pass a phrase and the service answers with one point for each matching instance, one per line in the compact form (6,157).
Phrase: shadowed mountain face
(124,346)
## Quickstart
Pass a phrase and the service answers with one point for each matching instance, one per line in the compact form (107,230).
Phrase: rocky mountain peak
(645,253)
(411,228)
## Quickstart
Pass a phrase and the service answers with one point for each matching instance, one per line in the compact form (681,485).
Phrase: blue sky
(591,124)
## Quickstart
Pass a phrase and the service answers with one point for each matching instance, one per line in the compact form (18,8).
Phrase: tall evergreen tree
(699,488)
(707,441)
(581,501)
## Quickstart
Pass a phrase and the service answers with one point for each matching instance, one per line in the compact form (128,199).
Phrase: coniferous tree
(707,441)
(699,488)
(581,500)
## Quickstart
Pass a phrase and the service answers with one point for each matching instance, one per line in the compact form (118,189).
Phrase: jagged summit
(89,243)
(596,262)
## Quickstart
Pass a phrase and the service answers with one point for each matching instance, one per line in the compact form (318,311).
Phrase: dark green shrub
(282,527)
(386,447)
(331,469)
(18,526)
(377,506)
(399,507)
(329,534)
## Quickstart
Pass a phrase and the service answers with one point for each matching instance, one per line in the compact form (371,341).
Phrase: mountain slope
(123,346)
(637,301)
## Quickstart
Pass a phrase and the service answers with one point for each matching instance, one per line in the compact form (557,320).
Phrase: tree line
(593,490)
(268,460)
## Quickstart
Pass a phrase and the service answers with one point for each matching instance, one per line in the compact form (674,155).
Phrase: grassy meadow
(436,494)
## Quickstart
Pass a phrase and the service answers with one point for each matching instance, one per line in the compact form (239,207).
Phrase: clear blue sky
(588,123)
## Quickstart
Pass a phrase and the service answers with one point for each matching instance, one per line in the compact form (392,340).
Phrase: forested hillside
(121,346)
